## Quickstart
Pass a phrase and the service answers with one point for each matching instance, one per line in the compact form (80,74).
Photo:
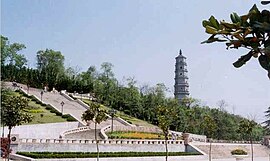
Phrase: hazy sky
(141,38)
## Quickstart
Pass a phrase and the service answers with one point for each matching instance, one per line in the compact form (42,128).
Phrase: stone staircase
(88,135)
(70,107)
(223,150)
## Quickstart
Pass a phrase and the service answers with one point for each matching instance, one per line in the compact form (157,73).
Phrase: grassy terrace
(124,116)
(102,154)
(41,112)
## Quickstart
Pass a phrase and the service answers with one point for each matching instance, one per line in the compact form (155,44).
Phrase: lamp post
(112,113)
(41,94)
(62,104)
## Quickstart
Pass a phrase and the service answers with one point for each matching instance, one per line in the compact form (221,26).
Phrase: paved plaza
(48,131)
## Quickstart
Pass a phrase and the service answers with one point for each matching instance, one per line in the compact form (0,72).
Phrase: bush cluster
(238,152)
(102,154)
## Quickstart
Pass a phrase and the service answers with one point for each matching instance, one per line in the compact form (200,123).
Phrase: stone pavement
(41,131)
(220,150)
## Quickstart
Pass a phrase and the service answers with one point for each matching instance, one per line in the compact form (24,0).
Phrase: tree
(250,31)
(246,128)
(165,116)
(209,126)
(50,64)
(97,115)
(9,53)
(267,122)
(13,113)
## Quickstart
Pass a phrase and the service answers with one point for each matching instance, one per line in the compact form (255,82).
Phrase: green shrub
(43,104)
(48,108)
(238,152)
(58,113)
(70,118)
(53,110)
(65,116)
(34,110)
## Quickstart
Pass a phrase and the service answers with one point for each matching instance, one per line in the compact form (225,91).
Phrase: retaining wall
(59,145)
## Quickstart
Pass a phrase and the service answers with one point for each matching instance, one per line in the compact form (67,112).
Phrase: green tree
(13,112)
(246,128)
(166,115)
(50,64)
(97,115)
(10,55)
(209,126)
(250,31)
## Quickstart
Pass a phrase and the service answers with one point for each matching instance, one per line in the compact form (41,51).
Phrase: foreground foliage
(102,154)
(13,112)
(250,31)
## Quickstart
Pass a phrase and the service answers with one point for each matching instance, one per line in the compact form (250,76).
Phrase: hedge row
(68,117)
(31,97)
(103,154)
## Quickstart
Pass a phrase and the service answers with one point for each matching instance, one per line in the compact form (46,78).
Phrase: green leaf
(228,25)
(264,62)
(242,60)
(254,9)
(235,18)
(214,22)
(213,40)
(265,2)
(206,23)
(210,30)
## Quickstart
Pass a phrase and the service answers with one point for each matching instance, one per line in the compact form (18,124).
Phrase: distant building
(181,87)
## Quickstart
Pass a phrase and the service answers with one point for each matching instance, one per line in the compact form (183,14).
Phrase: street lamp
(62,104)
(41,94)
(112,113)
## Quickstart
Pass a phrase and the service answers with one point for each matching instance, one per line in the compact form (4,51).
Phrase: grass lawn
(39,113)
(44,116)
(134,135)
(124,116)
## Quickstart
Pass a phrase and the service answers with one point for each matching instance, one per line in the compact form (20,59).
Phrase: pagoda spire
(181,86)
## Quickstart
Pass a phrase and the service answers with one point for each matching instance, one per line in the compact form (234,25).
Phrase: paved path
(42,131)
(220,150)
